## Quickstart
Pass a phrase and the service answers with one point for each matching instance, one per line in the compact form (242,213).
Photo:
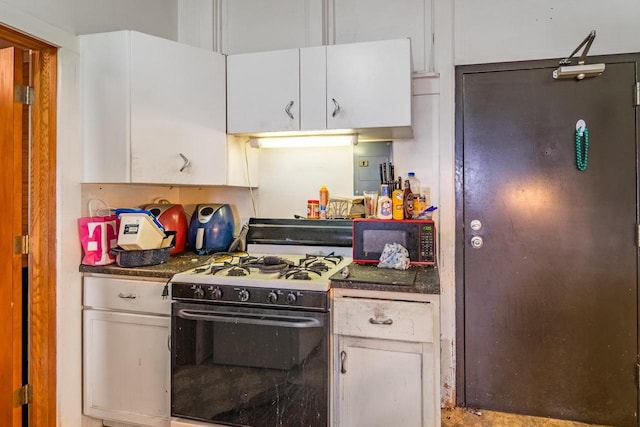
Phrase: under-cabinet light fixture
(306,141)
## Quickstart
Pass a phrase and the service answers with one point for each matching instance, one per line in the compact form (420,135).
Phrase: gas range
(269,274)
(253,329)
(293,281)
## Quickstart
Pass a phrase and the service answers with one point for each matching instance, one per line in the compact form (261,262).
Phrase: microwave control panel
(428,244)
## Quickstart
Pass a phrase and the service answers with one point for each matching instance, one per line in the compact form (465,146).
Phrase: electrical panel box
(368,158)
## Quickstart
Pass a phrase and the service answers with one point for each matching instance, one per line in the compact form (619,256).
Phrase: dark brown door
(11,219)
(548,304)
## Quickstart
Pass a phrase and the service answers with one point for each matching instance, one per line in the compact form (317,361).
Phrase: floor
(466,417)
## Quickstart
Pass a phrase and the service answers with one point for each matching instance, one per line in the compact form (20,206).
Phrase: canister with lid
(313,209)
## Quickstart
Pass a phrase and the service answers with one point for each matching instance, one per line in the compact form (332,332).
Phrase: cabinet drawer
(127,295)
(394,320)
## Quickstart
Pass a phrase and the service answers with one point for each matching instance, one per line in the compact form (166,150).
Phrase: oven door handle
(251,319)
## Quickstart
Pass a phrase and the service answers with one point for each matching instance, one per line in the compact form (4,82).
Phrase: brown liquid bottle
(407,200)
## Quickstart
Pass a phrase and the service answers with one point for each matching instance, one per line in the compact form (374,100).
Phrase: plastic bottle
(397,200)
(385,205)
(324,201)
(416,190)
(407,201)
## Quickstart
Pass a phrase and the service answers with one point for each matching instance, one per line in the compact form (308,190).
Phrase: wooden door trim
(42,229)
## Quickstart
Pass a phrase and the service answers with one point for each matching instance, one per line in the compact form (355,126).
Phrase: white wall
(290,177)
(156,17)
(505,30)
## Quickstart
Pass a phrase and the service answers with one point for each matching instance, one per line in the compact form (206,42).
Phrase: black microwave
(418,236)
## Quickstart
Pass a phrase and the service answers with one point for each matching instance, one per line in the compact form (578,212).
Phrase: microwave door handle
(250,319)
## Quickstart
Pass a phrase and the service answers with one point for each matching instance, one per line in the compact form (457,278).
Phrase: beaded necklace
(582,149)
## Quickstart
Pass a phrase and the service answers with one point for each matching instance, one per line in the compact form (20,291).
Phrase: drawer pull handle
(127,296)
(380,322)
(343,360)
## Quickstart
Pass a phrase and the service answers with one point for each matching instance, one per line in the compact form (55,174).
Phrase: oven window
(250,367)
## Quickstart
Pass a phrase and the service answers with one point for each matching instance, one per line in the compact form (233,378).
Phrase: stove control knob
(291,298)
(216,293)
(198,292)
(272,297)
(243,295)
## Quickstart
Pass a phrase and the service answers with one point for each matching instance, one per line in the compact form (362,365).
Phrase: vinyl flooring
(463,417)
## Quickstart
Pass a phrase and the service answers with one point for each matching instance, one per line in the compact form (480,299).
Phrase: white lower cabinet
(126,354)
(386,362)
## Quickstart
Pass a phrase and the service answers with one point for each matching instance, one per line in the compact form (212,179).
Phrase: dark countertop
(423,280)
(175,264)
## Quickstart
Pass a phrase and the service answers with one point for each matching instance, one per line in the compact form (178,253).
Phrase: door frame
(42,228)
(460,71)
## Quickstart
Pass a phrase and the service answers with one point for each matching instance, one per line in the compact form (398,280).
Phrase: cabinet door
(263,92)
(178,121)
(369,84)
(379,383)
(127,367)
(105,99)
(313,88)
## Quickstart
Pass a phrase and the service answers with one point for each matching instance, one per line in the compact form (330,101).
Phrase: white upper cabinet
(263,92)
(153,111)
(362,86)
(257,26)
(369,85)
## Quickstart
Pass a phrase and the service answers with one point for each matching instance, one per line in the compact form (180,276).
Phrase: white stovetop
(263,280)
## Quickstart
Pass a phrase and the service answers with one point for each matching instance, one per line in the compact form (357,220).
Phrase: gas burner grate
(266,264)
(237,271)
(310,260)
(230,269)
(300,273)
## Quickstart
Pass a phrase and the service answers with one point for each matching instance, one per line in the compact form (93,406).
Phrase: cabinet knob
(343,362)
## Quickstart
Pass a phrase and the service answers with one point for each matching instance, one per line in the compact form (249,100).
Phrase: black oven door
(249,366)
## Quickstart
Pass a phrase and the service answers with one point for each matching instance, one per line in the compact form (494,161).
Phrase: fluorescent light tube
(308,141)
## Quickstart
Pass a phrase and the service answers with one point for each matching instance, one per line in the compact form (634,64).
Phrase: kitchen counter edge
(175,264)
(427,282)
